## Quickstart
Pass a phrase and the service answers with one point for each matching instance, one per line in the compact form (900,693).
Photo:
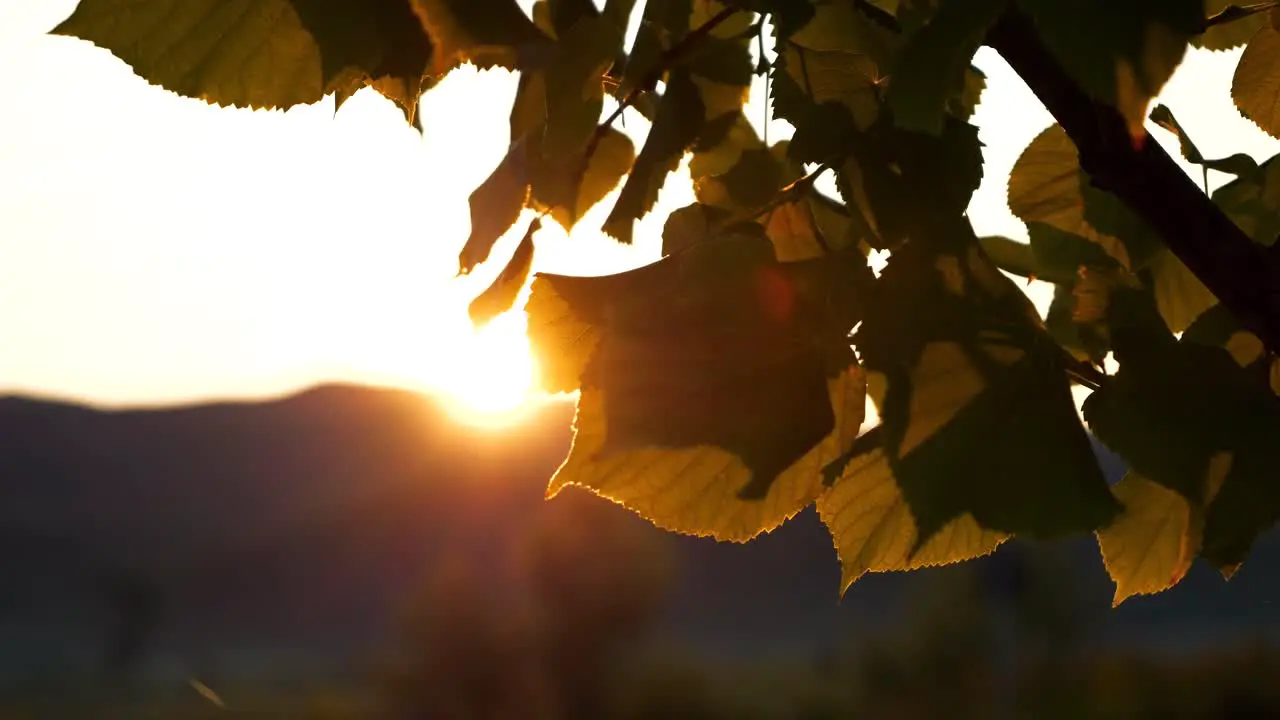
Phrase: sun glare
(491,378)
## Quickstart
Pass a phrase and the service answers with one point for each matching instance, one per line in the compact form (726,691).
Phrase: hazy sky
(155,249)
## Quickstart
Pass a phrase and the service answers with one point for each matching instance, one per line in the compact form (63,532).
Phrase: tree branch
(1241,273)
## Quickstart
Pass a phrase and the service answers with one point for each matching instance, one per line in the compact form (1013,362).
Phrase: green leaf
(752,181)
(1009,255)
(1151,545)
(263,53)
(567,193)
(556,17)
(563,339)
(722,60)
(1256,84)
(840,226)
(713,346)
(795,234)
(1179,295)
(1060,255)
(574,85)
(1252,201)
(1122,53)
(1188,416)
(932,67)
(842,26)
(1232,34)
(1085,341)
(874,530)
(1217,327)
(787,16)
(501,294)
(529,109)
(964,353)
(676,127)
(1172,405)
(1248,504)
(1047,186)
(695,489)
(662,24)
(909,184)
(721,144)
(495,205)
(688,226)
(803,79)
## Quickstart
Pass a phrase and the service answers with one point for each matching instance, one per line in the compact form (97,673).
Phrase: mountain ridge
(305,521)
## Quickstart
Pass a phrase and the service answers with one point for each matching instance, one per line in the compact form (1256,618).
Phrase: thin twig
(790,193)
(1231,13)
(665,61)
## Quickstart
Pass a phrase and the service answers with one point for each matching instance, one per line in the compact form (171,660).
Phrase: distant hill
(299,527)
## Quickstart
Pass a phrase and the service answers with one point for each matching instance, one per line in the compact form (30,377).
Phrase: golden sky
(158,250)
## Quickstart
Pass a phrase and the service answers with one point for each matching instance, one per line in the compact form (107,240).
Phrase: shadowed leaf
(485,32)
(676,127)
(933,65)
(496,205)
(501,294)
(978,416)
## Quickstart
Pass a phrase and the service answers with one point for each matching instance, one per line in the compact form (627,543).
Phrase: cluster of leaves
(723,388)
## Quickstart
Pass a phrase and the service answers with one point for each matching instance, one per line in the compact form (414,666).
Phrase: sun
(491,378)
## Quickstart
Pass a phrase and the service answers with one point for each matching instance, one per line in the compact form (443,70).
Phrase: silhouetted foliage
(723,388)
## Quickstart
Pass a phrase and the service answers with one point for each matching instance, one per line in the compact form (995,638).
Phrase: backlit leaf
(689,226)
(263,53)
(676,127)
(496,205)
(562,340)
(695,490)
(1180,296)
(1047,186)
(501,294)
(712,346)
(932,67)
(1255,87)
(574,85)
(1151,545)
(874,530)
(554,184)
